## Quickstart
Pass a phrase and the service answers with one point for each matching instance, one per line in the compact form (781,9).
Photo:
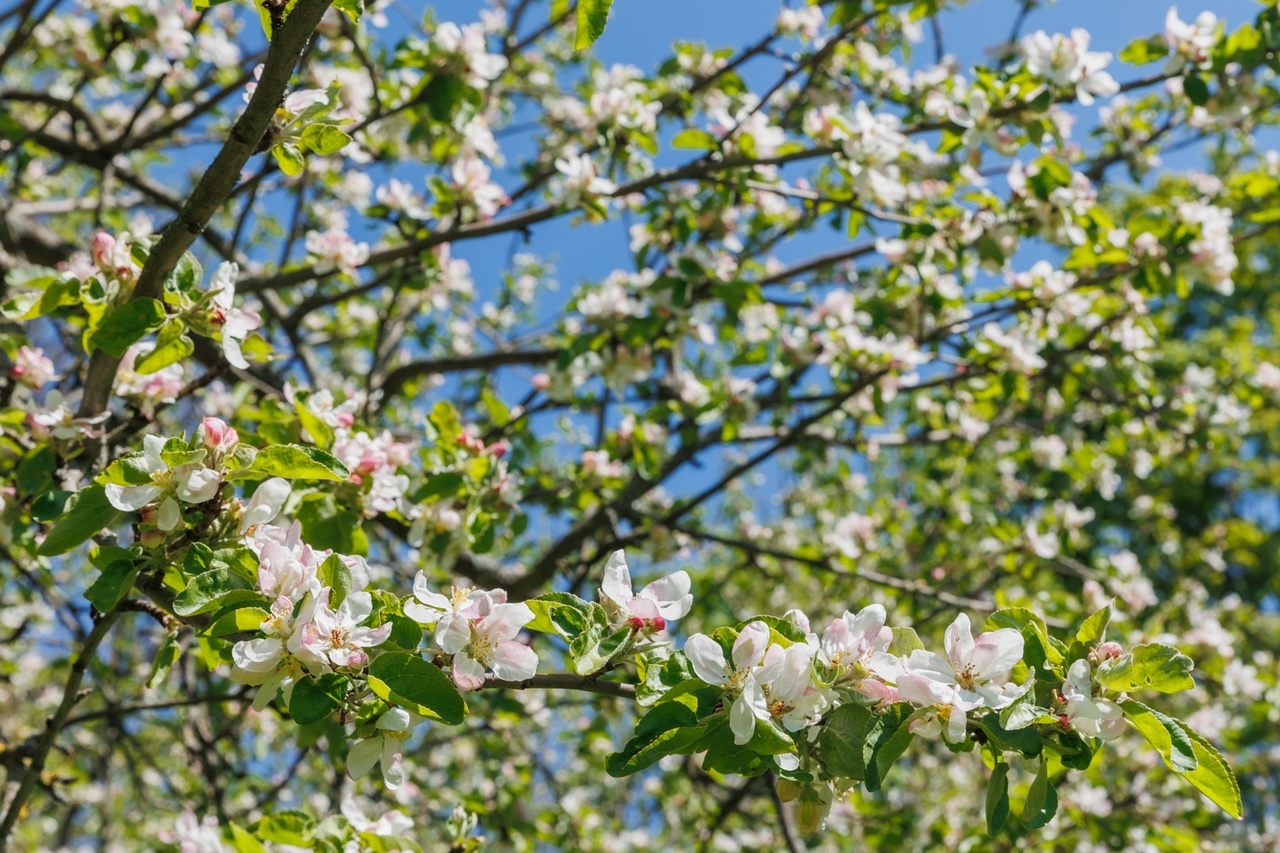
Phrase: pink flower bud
(498,449)
(541,382)
(103,244)
(1110,651)
(217,436)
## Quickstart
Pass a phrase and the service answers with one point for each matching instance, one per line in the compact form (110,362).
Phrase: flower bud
(102,249)
(1110,651)
(220,439)
(152,538)
(812,809)
(788,790)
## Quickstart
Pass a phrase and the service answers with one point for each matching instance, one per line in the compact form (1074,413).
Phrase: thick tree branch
(217,183)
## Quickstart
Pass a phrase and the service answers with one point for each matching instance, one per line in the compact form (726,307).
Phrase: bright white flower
(581,178)
(1066,61)
(384,748)
(336,638)
(468,44)
(264,661)
(1191,42)
(1087,715)
(192,483)
(662,601)
(471,175)
(974,674)
(794,700)
(335,250)
(857,645)
(236,323)
(754,661)
(492,645)
(452,616)
(287,566)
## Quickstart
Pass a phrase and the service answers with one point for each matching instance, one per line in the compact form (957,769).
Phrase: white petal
(707,658)
(617,580)
(959,642)
(956,725)
(392,763)
(749,648)
(266,503)
(394,720)
(199,485)
(169,516)
(996,652)
(505,621)
(453,634)
(356,608)
(131,498)
(362,756)
(514,661)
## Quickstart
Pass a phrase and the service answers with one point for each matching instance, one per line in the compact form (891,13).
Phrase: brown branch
(567,681)
(217,183)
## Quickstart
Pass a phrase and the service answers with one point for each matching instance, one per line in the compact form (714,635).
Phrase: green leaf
(997,799)
(334,574)
(667,729)
(87,512)
(313,699)
(241,839)
(696,139)
(406,679)
(1145,50)
(592,17)
(289,158)
(1025,740)
(905,641)
(1042,800)
(295,462)
(1164,733)
(888,737)
(173,344)
(217,587)
(126,471)
(442,95)
(353,9)
(326,525)
(325,139)
(1151,666)
(35,471)
(443,485)
(112,585)
(1094,628)
(127,325)
(321,433)
(1212,777)
(237,619)
(166,657)
(1196,89)
(842,741)
(286,827)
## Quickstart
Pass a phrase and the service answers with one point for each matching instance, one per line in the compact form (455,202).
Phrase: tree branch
(216,185)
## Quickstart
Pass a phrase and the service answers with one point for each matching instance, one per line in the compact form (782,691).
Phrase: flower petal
(707,659)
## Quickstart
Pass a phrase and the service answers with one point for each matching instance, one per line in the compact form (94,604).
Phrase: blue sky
(640,33)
